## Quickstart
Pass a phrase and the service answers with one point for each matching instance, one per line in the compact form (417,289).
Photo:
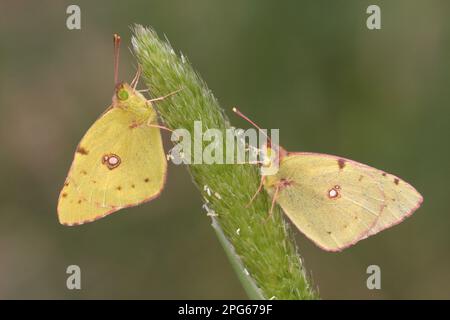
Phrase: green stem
(263,253)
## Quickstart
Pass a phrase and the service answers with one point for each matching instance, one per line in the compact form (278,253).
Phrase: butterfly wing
(73,209)
(401,199)
(336,202)
(120,162)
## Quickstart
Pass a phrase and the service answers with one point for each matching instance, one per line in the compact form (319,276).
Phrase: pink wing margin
(113,209)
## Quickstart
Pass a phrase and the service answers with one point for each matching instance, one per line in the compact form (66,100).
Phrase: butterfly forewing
(401,198)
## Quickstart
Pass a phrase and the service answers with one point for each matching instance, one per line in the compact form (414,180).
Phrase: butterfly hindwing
(73,209)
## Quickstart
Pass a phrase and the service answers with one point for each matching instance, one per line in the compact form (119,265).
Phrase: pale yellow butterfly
(120,161)
(334,201)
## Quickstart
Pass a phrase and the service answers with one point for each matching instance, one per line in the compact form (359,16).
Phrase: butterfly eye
(122,94)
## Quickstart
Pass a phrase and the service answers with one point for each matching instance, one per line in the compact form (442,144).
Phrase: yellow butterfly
(120,161)
(334,201)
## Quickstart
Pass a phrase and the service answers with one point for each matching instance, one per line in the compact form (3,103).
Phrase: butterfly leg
(164,97)
(159,127)
(274,199)
(261,184)
(135,80)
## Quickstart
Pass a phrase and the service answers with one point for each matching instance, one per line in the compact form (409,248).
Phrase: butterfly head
(122,92)
(268,155)
(271,153)
(125,96)
(129,99)
(271,156)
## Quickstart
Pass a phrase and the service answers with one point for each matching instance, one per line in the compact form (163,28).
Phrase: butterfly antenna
(116,58)
(240,114)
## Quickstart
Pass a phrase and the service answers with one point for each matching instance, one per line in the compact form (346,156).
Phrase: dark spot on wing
(133,125)
(82,150)
(384,174)
(146,180)
(360,178)
(64,195)
(79,201)
(133,186)
(119,188)
(396,181)
(341,163)
(329,232)
(84,172)
(285,183)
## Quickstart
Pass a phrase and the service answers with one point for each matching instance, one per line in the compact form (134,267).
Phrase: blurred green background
(310,68)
